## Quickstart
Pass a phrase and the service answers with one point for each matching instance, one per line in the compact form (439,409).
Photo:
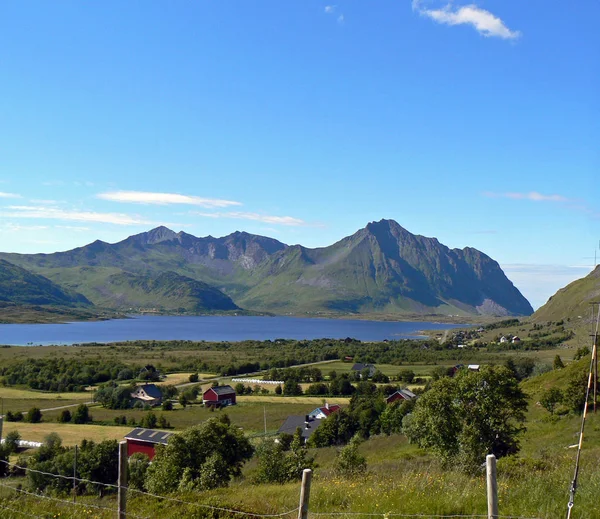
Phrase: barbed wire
(420,515)
(26,514)
(51,474)
(64,501)
(211,507)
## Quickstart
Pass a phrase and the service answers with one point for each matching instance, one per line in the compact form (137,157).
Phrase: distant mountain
(573,301)
(382,268)
(167,292)
(22,287)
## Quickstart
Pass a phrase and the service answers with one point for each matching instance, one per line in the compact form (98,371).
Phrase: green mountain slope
(573,301)
(22,287)
(382,268)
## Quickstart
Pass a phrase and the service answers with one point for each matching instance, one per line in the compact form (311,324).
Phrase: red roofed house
(323,412)
(219,396)
(145,440)
(401,394)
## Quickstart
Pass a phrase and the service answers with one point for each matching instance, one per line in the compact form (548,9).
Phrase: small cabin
(219,396)
(148,394)
(306,423)
(145,441)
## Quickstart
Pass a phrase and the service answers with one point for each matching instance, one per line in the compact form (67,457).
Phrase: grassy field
(71,434)
(248,414)
(387,369)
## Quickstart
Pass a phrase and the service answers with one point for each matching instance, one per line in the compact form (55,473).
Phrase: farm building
(359,366)
(145,440)
(325,411)
(219,396)
(401,394)
(148,394)
(307,423)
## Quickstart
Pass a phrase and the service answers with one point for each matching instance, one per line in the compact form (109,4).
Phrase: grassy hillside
(573,301)
(20,286)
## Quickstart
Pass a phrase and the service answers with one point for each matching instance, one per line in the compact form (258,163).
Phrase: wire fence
(83,507)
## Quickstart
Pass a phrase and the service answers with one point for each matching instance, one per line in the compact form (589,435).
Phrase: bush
(551,398)
(194,377)
(34,415)
(14,417)
(82,414)
(203,456)
(349,463)
(11,442)
(64,416)
(167,405)
(138,466)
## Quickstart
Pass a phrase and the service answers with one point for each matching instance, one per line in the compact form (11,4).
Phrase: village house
(516,339)
(149,394)
(401,394)
(323,412)
(145,441)
(219,396)
(503,339)
(360,367)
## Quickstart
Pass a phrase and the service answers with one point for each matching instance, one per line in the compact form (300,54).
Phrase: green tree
(149,420)
(278,389)
(82,414)
(138,465)
(551,398)
(64,416)
(292,388)
(34,415)
(167,405)
(575,392)
(349,463)
(393,414)
(215,447)
(337,429)
(194,377)
(558,363)
(462,419)
(406,375)
(11,442)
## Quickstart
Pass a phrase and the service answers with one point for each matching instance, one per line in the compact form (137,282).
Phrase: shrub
(194,377)
(11,442)
(551,398)
(34,415)
(138,465)
(349,463)
(82,414)
(64,416)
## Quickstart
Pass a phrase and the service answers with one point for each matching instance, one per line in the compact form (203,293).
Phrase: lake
(210,328)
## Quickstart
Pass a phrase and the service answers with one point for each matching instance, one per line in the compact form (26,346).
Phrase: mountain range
(381,268)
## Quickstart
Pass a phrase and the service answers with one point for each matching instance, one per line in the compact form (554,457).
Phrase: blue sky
(477,123)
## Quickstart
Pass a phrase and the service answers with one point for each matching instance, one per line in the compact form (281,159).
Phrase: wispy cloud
(142,197)
(332,10)
(484,22)
(9,195)
(279,220)
(52,213)
(15,227)
(532,195)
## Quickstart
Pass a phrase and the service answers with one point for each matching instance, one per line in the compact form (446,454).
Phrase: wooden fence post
(122,511)
(75,475)
(304,494)
(492,486)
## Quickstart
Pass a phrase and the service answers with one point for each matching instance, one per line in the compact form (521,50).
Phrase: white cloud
(52,213)
(340,18)
(15,227)
(9,195)
(484,22)
(330,9)
(279,220)
(533,195)
(142,197)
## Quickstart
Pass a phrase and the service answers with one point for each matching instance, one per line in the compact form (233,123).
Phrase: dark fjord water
(209,328)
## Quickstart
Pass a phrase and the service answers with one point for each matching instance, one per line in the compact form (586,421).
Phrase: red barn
(401,394)
(144,441)
(219,396)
